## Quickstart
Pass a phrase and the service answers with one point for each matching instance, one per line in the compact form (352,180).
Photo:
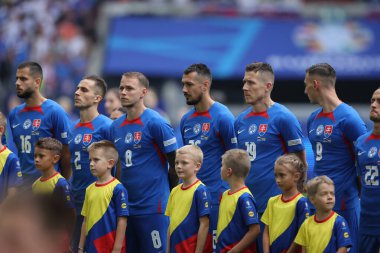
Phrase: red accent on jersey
(329,115)
(85,124)
(262,114)
(105,243)
(29,109)
(204,114)
(130,122)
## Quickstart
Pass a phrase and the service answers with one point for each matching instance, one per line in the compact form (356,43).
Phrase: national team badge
(319,129)
(27,124)
(36,124)
(328,130)
(205,128)
(263,129)
(87,138)
(137,137)
(252,129)
(128,138)
(372,152)
(78,139)
(197,128)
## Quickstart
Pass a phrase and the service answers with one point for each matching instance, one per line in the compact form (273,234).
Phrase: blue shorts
(213,224)
(369,243)
(352,218)
(147,233)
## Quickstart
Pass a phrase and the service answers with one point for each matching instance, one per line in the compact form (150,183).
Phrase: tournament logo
(263,129)
(319,129)
(328,130)
(27,124)
(36,124)
(252,129)
(197,128)
(205,128)
(137,137)
(128,138)
(87,138)
(372,152)
(78,138)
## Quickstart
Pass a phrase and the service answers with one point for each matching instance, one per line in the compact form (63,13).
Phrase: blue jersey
(368,160)
(186,206)
(32,123)
(10,172)
(83,134)
(213,132)
(103,204)
(266,136)
(141,144)
(284,218)
(332,136)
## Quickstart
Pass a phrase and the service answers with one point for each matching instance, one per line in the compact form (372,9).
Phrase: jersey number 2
(371,175)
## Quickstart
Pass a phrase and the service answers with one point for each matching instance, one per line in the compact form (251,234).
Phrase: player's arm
(168,242)
(120,234)
(82,240)
(266,246)
(294,248)
(247,240)
(65,163)
(173,178)
(342,250)
(118,170)
(11,191)
(204,224)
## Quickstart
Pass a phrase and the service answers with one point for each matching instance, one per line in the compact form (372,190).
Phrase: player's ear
(316,84)
(229,172)
(2,130)
(198,166)
(312,200)
(111,163)
(56,158)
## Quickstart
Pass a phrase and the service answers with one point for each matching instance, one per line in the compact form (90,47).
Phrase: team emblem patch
(319,129)
(27,124)
(128,138)
(78,139)
(263,129)
(205,128)
(87,138)
(372,152)
(36,124)
(252,129)
(137,137)
(197,128)
(328,130)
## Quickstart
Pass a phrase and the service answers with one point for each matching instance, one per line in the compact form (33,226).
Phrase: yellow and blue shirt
(103,204)
(324,236)
(185,206)
(10,171)
(56,185)
(237,211)
(284,218)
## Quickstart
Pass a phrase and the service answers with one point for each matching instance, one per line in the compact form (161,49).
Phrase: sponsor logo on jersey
(346,235)
(328,130)
(36,124)
(78,139)
(87,138)
(252,129)
(372,152)
(137,137)
(319,130)
(263,129)
(123,205)
(27,124)
(205,128)
(128,138)
(197,128)
(206,204)
(251,214)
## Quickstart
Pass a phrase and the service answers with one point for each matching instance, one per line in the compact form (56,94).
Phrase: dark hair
(259,67)
(100,84)
(35,69)
(143,80)
(322,69)
(201,69)
(50,144)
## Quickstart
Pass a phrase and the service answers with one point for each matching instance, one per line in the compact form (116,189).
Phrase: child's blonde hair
(238,160)
(294,163)
(194,151)
(110,151)
(313,184)
(3,120)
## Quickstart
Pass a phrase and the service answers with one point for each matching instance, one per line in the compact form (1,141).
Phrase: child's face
(185,166)
(223,172)
(99,164)
(286,178)
(44,159)
(324,199)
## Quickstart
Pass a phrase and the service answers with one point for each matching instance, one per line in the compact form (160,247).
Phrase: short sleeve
(301,238)
(302,211)
(265,218)
(164,135)
(120,197)
(291,132)
(227,131)
(61,125)
(203,201)
(169,205)
(353,127)
(342,233)
(247,207)
(14,173)
(62,189)
(85,205)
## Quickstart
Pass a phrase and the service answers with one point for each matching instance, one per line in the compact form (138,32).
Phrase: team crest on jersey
(128,138)
(36,124)
(137,137)
(252,129)
(87,138)
(205,128)
(372,152)
(197,128)
(328,130)
(78,138)
(319,130)
(263,129)
(27,124)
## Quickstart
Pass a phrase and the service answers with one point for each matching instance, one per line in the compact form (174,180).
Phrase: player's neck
(322,215)
(235,184)
(1,144)
(35,100)
(88,114)
(104,178)
(263,105)
(189,181)
(46,174)
(376,128)
(329,101)
(205,104)
(289,194)
(135,111)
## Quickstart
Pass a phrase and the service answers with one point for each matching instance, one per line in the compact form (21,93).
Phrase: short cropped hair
(194,151)
(3,120)
(294,163)
(238,160)
(323,70)
(143,80)
(108,148)
(51,144)
(313,185)
(201,69)
(261,67)
(100,84)
(35,69)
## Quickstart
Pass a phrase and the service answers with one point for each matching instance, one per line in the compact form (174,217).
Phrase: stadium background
(162,37)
